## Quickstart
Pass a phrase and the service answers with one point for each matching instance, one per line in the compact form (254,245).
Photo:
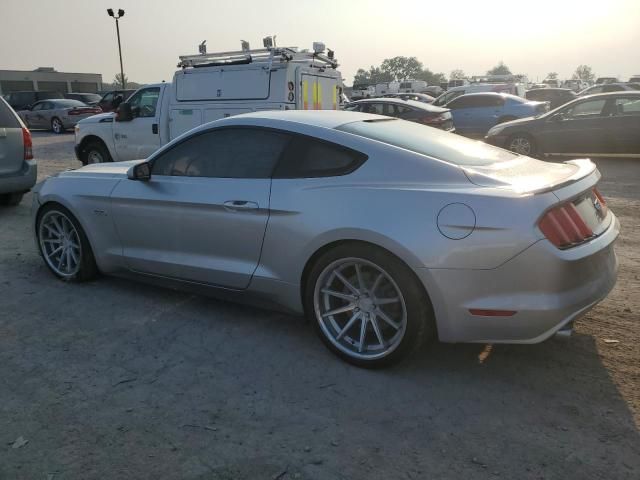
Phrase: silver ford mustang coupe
(385,233)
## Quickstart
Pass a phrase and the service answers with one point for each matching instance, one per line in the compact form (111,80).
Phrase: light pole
(120,15)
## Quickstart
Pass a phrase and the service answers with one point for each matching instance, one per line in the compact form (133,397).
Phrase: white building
(48,79)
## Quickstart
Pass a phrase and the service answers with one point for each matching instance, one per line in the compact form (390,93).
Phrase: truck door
(319,92)
(140,137)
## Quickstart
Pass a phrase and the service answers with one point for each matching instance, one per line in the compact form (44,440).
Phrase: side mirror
(141,171)
(124,114)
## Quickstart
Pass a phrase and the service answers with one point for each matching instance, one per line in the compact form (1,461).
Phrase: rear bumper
(547,287)
(21,181)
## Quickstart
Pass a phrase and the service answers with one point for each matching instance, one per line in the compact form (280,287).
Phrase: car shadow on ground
(122,379)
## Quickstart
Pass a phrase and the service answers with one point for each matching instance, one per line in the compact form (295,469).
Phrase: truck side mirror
(124,113)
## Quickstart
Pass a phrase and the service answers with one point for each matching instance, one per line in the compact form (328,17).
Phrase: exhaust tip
(564,333)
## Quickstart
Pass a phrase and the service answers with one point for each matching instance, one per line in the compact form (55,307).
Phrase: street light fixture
(116,18)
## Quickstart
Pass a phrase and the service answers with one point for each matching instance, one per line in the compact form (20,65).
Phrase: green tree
(552,75)
(118,83)
(430,77)
(457,74)
(371,77)
(401,68)
(500,69)
(584,73)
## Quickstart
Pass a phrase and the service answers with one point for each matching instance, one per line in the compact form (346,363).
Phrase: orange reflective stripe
(319,95)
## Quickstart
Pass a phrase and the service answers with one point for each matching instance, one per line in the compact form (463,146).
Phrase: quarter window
(309,158)
(628,106)
(224,153)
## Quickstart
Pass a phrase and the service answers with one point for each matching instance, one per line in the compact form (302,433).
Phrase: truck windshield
(429,141)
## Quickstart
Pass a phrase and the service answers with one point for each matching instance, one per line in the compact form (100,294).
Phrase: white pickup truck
(206,88)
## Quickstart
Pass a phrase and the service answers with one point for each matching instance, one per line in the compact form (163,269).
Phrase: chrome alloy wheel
(60,243)
(520,145)
(360,308)
(56,125)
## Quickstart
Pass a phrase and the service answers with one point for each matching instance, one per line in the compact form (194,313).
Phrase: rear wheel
(96,152)
(56,125)
(367,306)
(522,144)
(64,245)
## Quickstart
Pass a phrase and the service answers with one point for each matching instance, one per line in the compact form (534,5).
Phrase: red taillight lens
(433,120)
(28,144)
(564,227)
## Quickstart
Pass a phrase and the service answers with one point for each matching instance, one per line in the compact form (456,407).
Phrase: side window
(400,110)
(108,97)
(310,158)
(37,107)
(224,153)
(7,118)
(612,88)
(628,106)
(462,102)
(145,101)
(377,108)
(594,90)
(592,108)
(353,108)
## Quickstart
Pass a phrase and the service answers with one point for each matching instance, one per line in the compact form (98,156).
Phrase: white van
(209,87)
(412,86)
(512,88)
(387,87)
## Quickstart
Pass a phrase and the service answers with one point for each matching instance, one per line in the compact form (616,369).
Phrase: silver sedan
(385,233)
(57,115)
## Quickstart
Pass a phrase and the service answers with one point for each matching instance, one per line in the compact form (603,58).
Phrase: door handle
(235,205)
(154,128)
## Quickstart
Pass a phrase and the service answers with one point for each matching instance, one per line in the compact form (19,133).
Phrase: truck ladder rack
(270,55)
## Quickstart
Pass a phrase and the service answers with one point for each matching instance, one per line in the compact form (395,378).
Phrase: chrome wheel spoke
(347,283)
(333,293)
(363,332)
(376,329)
(359,277)
(387,319)
(335,311)
(349,324)
(53,252)
(386,301)
(376,283)
(60,243)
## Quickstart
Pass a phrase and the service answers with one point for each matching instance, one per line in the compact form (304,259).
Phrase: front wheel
(64,245)
(368,307)
(522,144)
(56,125)
(96,152)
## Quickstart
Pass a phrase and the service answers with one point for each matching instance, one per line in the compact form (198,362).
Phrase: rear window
(68,103)
(429,141)
(7,117)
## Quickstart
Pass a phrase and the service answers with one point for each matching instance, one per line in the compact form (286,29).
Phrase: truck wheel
(11,199)
(96,152)
(56,125)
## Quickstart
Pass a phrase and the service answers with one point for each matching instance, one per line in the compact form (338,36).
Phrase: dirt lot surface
(119,380)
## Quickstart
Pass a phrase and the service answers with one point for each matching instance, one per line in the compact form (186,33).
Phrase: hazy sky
(533,37)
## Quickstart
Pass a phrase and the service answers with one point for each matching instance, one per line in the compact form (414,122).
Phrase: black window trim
(286,155)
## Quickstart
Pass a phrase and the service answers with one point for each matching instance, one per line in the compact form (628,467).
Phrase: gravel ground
(114,379)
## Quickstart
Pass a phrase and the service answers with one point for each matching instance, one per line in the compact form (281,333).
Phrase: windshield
(429,141)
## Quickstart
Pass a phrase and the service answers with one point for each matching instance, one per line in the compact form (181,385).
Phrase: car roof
(550,89)
(489,94)
(316,118)
(400,101)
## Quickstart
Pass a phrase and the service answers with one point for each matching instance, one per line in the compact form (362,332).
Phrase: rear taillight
(28,144)
(433,119)
(564,227)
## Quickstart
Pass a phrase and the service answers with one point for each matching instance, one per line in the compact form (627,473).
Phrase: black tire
(95,152)
(533,147)
(11,199)
(57,126)
(87,264)
(420,322)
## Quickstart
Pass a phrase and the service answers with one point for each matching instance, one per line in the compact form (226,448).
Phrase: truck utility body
(208,87)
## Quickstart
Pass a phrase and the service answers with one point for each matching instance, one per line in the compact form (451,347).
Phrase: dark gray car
(57,115)
(18,170)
